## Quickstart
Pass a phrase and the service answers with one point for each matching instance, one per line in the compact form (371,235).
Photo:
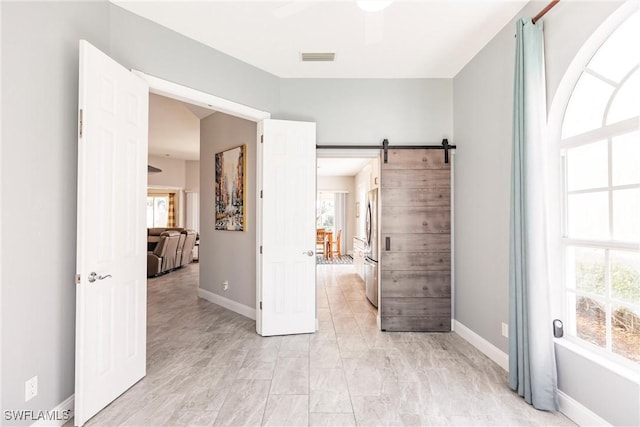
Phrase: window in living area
(157,211)
(325,210)
(600,150)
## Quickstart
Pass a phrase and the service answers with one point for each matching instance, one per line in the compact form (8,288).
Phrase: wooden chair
(336,245)
(320,241)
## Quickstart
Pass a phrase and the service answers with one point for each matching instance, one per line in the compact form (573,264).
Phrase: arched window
(600,151)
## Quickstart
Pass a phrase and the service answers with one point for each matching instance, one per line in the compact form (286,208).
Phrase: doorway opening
(173,181)
(345,180)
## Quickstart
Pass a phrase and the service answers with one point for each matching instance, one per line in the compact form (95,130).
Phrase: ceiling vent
(318,56)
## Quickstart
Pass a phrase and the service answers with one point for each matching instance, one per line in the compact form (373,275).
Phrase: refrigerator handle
(387,243)
(369,223)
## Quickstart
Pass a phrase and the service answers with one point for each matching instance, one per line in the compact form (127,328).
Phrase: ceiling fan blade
(373,28)
(292,8)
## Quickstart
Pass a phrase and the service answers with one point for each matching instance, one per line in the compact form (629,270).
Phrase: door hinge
(261,194)
(260,305)
(80,122)
(261,250)
(261,139)
(78,279)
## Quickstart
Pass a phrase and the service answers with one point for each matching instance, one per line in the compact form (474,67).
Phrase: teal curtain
(532,369)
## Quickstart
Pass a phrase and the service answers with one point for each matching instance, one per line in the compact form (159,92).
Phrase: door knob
(93,276)
(308,253)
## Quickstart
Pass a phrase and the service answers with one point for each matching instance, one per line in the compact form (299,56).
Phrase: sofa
(153,235)
(173,250)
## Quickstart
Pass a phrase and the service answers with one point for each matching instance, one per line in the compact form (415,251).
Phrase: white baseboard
(574,410)
(577,412)
(60,412)
(227,303)
(489,350)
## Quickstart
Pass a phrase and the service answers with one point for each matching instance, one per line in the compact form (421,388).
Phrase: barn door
(415,261)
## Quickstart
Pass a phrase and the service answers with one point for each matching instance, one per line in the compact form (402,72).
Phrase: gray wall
(143,45)
(192,175)
(39,160)
(366,111)
(174,172)
(482,127)
(227,255)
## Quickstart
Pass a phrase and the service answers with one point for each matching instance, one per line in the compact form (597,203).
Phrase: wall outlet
(225,285)
(505,330)
(31,388)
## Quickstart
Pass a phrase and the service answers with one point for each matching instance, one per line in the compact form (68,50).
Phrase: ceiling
(199,112)
(334,166)
(409,39)
(174,128)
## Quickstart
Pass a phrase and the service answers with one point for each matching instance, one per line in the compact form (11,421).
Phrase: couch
(153,235)
(189,243)
(173,250)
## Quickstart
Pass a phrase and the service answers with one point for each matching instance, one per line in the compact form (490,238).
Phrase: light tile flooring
(207,366)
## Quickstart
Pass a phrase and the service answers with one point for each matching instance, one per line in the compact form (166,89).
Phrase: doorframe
(202,99)
(189,95)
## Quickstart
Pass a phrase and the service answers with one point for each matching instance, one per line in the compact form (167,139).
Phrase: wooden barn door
(415,243)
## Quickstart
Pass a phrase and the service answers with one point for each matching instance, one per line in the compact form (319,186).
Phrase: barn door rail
(444,145)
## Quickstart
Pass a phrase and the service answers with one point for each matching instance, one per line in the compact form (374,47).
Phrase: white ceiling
(199,112)
(409,39)
(333,166)
(174,128)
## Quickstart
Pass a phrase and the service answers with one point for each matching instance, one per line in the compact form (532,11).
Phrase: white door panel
(287,269)
(112,158)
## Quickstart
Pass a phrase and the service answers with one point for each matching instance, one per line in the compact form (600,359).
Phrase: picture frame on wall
(231,179)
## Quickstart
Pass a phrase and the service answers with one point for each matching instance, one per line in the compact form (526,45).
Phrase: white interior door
(287,265)
(111,245)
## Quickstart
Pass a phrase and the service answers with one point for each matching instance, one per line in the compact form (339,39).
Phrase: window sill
(625,371)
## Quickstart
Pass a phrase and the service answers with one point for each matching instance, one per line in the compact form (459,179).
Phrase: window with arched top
(600,149)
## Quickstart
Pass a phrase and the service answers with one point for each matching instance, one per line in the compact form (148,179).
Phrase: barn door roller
(443,146)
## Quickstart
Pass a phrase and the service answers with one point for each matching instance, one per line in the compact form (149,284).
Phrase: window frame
(319,198)
(603,133)
(154,196)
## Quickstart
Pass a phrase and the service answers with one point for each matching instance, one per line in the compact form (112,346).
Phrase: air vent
(318,56)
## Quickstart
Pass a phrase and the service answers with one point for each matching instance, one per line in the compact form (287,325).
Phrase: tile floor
(207,366)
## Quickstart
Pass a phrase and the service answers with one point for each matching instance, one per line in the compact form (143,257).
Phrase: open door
(111,247)
(286,259)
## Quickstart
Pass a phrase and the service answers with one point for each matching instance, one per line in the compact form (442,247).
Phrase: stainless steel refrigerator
(372,253)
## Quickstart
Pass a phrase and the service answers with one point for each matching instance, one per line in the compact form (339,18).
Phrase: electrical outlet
(505,330)
(31,388)
(225,285)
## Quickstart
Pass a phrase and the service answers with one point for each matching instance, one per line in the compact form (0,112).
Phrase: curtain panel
(171,220)
(340,209)
(532,368)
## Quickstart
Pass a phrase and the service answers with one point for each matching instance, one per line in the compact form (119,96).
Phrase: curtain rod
(544,11)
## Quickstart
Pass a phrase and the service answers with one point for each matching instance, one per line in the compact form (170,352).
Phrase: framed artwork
(231,175)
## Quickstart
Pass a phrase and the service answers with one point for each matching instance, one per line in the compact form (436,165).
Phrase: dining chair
(336,245)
